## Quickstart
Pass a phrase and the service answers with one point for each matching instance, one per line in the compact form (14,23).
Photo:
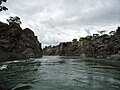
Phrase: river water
(58,73)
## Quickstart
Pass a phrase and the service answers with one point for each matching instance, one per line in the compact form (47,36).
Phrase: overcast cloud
(55,21)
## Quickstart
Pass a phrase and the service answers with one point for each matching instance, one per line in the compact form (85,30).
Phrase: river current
(58,73)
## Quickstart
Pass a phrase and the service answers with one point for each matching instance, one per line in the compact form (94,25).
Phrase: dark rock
(16,43)
(4,88)
(91,46)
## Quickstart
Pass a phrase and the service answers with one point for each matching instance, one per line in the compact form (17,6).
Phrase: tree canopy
(74,40)
(15,19)
(3,7)
(101,32)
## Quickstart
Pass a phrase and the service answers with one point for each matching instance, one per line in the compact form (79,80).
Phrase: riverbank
(107,62)
(95,46)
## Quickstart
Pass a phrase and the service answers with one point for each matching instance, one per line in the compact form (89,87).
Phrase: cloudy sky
(55,21)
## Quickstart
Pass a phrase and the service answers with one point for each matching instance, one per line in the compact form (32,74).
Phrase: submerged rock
(16,43)
(115,57)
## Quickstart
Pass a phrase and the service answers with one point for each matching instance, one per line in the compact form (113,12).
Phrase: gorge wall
(98,46)
(16,43)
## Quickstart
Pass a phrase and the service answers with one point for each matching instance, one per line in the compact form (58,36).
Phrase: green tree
(118,30)
(88,37)
(74,40)
(112,33)
(95,36)
(3,7)
(82,39)
(15,19)
(101,32)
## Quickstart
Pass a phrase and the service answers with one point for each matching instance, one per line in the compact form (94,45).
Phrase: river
(58,73)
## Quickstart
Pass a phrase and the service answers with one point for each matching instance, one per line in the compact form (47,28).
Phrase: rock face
(102,46)
(16,43)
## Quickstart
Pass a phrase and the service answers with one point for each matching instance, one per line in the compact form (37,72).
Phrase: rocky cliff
(16,43)
(98,46)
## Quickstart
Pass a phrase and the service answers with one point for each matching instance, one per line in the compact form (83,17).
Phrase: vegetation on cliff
(98,45)
(16,43)
(3,8)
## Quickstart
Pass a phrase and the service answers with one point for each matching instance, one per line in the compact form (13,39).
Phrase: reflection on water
(58,73)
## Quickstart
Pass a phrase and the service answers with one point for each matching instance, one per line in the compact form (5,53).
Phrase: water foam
(3,67)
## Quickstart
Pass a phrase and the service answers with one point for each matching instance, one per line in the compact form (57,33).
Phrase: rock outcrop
(16,43)
(96,46)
